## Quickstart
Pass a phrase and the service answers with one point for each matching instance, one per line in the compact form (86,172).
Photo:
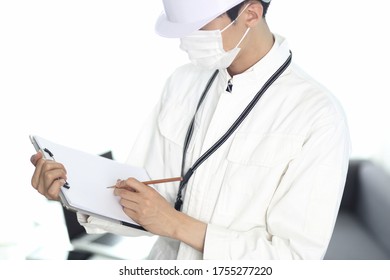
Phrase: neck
(253,49)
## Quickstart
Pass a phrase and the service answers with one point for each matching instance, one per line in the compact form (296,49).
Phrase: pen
(159,181)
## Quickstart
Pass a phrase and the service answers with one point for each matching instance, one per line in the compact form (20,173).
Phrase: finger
(53,192)
(130,208)
(37,173)
(121,184)
(42,167)
(131,213)
(133,183)
(52,175)
(35,158)
(127,194)
(128,204)
(50,171)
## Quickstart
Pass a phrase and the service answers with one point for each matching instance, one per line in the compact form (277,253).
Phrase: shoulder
(185,80)
(317,99)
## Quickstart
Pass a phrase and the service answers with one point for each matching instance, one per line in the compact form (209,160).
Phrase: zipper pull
(229,87)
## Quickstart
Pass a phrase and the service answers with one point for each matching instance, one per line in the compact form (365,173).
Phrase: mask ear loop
(243,37)
(235,20)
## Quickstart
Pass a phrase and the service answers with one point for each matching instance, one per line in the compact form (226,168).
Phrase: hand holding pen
(146,206)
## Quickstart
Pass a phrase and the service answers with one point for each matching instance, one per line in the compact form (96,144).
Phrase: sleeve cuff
(95,225)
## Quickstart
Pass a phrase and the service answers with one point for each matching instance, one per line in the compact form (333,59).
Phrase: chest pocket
(255,165)
(173,123)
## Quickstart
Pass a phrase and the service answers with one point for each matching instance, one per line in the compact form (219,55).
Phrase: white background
(86,73)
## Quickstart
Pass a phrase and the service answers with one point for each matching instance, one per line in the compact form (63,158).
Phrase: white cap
(182,17)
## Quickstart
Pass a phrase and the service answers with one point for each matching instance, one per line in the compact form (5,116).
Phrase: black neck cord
(228,133)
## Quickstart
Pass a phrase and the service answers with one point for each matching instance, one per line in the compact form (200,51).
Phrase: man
(263,148)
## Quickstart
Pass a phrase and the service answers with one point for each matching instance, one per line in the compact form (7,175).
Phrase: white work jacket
(273,189)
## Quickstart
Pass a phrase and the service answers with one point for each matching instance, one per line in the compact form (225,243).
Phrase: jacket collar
(264,68)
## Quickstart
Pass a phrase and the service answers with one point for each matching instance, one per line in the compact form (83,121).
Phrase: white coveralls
(273,190)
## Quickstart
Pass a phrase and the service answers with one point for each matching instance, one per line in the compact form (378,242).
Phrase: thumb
(35,158)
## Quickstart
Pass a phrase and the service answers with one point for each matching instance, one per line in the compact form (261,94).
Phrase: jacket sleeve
(302,213)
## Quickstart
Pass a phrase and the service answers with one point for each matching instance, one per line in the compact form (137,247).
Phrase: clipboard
(88,176)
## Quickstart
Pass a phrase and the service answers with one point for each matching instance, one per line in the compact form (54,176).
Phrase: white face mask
(205,48)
